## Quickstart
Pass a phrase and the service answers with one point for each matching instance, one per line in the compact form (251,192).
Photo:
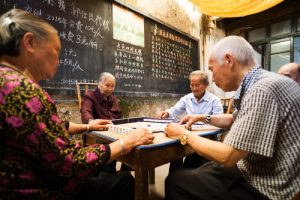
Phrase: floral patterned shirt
(37,159)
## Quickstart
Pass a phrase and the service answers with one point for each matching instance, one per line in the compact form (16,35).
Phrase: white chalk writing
(129,65)
(171,55)
(69,59)
(74,81)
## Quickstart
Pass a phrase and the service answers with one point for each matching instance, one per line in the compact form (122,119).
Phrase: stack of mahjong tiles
(119,129)
(126,128)
(152,127)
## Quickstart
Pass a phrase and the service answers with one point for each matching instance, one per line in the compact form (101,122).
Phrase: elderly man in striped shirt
(259,157)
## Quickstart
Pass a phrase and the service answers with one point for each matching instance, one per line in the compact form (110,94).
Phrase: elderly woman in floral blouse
(38,161)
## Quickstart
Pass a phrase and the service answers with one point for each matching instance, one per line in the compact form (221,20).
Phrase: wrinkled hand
(189,120)
(137,137)
(99,124)
(174,131)
(163,115)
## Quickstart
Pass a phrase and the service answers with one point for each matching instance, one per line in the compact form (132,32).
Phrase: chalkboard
(173,56)
(98,35)
(85,31)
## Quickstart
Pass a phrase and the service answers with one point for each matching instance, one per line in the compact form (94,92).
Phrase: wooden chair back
(227,105)
(86,87)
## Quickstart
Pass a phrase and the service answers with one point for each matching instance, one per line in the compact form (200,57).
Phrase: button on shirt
(208,104)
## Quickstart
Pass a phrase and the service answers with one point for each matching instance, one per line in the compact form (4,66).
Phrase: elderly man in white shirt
(199,101)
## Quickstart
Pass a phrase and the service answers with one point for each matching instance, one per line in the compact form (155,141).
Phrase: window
(261,52)
(277,60)
(280,47)
(280,54)
(297,49)
(257,34)
(281,28)
(276,43)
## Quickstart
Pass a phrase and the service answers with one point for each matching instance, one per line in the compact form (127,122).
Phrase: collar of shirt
(250,78)
(204,98)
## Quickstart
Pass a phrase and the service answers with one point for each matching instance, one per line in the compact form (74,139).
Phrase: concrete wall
(131,107)
(146,106)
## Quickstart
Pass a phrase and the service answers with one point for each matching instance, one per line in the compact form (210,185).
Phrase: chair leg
(152,176)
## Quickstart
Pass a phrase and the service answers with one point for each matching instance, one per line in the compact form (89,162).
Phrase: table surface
(156,126)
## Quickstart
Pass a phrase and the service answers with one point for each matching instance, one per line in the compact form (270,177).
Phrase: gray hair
(237,46)
(201,74)
(15,23)
(103,76)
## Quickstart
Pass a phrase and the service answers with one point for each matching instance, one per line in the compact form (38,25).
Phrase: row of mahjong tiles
(153,127)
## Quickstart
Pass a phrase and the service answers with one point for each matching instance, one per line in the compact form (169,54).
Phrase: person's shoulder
(90,96)
(276,85)
(15,79)
(91,93)
(114,98)
(271,81)
(19,86)
(10,74)
(188,96)
(211,96)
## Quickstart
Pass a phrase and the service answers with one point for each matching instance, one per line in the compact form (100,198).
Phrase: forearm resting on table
(76,128)
(79,128)
(216,151)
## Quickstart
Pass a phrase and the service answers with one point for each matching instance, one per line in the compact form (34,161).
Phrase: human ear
(29,42)
(229,61)
(227,58)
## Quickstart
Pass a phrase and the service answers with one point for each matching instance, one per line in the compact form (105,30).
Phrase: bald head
(291,70)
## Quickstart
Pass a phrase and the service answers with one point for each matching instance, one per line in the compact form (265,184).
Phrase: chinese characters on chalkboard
(171,55)
(129,66)
(85,28)
(82,31)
